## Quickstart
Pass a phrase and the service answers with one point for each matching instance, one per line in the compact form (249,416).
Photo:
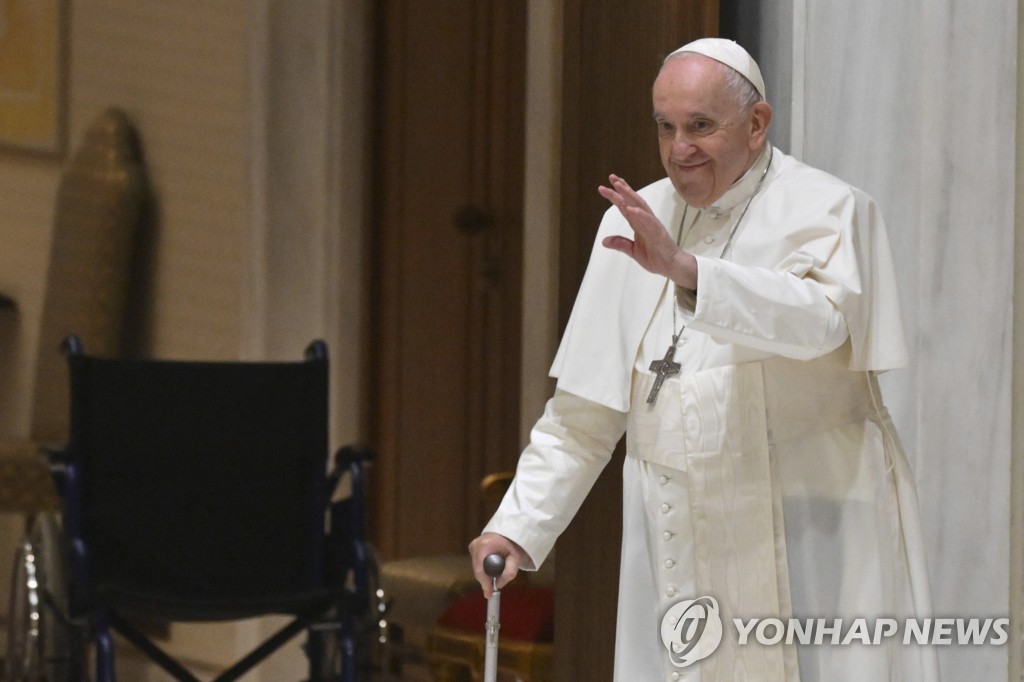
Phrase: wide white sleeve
(569,447)
(777,312)
(827,276)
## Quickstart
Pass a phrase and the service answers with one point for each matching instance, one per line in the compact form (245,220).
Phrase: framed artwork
(31,75)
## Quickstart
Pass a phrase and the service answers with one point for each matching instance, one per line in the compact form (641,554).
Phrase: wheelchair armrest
(349,461)
(351,454)
(352,555)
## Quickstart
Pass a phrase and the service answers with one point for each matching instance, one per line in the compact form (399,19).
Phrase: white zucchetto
(729,53)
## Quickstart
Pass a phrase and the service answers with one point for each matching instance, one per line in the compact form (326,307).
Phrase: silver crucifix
(664,368)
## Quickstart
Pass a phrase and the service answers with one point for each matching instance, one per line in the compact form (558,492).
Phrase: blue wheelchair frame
(335,604)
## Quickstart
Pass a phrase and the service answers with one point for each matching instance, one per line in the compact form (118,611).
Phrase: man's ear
(760,119)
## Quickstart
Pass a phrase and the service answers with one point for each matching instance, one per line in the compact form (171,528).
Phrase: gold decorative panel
(31,65)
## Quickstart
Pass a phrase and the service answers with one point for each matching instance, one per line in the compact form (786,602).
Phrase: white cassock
(767,474)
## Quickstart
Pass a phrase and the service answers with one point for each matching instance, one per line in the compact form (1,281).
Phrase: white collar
(741,190)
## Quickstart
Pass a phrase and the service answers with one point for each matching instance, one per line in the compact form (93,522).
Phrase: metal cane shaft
(494,565)
(493,625)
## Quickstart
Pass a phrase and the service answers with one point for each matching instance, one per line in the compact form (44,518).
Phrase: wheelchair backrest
(201,482)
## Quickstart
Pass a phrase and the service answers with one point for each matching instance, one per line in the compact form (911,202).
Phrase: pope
(732,322)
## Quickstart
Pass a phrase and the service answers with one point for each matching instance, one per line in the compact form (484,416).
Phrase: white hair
(742,89)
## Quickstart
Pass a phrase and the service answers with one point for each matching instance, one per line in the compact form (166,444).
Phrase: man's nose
(682,144)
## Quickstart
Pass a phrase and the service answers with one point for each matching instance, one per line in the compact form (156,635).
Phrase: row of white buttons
(670,590)
(667,535)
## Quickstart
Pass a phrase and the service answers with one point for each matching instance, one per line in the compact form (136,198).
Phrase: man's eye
(701,126)
(665,128)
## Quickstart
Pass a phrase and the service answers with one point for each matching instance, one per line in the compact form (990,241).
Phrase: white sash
(713,426)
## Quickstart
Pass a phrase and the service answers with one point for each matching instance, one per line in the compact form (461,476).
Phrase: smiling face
(706,137)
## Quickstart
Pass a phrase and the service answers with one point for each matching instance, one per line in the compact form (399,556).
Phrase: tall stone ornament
(100,204)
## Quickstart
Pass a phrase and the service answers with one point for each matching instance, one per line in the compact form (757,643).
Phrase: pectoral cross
(664,368)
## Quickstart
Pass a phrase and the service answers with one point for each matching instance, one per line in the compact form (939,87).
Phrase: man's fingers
(619,244)
(612,196)
(634,210)
(484,546)
(621,186)
(627,192)
(510,572)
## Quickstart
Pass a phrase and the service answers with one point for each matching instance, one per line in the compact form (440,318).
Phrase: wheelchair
(196,492)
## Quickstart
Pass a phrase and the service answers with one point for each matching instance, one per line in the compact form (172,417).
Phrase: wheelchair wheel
(347,647)
(38,647)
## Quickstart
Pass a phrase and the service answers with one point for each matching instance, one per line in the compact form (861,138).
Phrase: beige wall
(236,166)
(259,204)
(183,79)
(27,190)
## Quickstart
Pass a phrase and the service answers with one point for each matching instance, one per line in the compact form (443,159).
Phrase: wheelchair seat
(200,491)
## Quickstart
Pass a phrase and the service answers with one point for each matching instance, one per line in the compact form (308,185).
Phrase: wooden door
(446,263)
(612,52)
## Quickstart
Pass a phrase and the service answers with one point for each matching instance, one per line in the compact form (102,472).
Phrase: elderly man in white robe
(731,322)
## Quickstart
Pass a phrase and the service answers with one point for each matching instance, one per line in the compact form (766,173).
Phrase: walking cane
(494,565)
